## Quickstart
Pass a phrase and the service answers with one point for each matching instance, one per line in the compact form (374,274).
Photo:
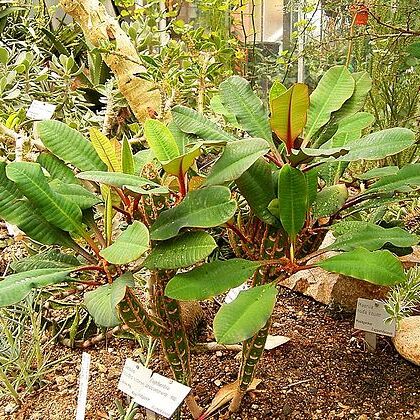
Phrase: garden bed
(323,372)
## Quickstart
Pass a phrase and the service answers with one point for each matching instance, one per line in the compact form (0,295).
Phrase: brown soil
(323,372)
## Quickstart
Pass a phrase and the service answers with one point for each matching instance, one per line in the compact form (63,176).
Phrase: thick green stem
(135,315)
(252,350)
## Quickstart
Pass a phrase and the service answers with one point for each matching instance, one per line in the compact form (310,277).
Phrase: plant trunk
(103,31)
(252,350)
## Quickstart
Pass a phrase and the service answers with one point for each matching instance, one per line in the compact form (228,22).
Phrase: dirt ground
(323,372)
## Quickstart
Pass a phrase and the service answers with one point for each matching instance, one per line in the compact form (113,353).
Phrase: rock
(407,339)
(101,368)
(413,259)
(10,408)
(331,288)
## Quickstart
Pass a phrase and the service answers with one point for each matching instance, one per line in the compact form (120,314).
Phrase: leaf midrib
(76,226)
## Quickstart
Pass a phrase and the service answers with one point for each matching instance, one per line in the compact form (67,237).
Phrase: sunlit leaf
(247,314)
(210,279)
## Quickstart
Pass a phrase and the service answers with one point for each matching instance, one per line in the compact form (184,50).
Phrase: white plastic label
(370,317)
(151,390)
(83,387)
(234,293)
(40,110)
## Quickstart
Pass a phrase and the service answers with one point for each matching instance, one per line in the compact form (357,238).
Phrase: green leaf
(377,267)
(108,213)
(247,314)
(236,158)
(17,286)
(133,183)
(257,186)
(363,84)
(288,114)
(129,246)
(141,159)
(192,122)
(378,172)
(329,200)
(210,279)
(105,150)
(414,49)
(217,107)
(127,159)
(373,237)
(15,209)
(276,90)
(47,259)
(239,98)
(101,303)
(333,90)
(202,208)
(406,179)
(312,184)
(347,226)
(69,145)
(353,125)
(75,193)
(57,168)
(180,165)
(55,208)
(379,145)
(182,251)
(161,141)
(4,55)
(293,199)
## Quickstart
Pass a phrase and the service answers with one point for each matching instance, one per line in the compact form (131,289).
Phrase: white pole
(301,44)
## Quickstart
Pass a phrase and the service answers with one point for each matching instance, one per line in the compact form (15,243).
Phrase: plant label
(234,293)
(83,387)
(40,110)
(151,390)
(370,317)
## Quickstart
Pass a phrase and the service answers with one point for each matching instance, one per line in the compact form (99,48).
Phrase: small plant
(155,213)
(404,298)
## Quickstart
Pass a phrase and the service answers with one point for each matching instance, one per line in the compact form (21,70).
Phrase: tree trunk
(103,31)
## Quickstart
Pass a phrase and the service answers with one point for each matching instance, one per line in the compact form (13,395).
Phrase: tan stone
(331,288)
(407,339)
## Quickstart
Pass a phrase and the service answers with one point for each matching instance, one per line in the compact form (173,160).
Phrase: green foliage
(247,314)
(133,183)
(132,243)
(257,185)
(372,237)
(288,114)
(203,208)
(406,179)
(57,209)
(293,200)
(181,251)
(17,210)
(192,122)
(236,158)
(329,200)
(333,90)
(102,302)
(69,145)
(196,181)
(378,267)
(47,259)
(17,286)
(210,279)
(238,97)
